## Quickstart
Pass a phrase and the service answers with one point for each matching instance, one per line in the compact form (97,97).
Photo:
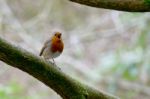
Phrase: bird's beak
(59,36)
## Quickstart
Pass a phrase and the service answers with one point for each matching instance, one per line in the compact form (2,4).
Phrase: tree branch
(122,5)
(65,86)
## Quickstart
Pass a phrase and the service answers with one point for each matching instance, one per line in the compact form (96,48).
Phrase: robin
(52,47)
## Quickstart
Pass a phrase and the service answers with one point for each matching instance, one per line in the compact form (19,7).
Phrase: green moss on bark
(46,72)
(147,2)
(121,5)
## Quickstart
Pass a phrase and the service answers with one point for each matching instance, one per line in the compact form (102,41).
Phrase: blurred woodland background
(106,49)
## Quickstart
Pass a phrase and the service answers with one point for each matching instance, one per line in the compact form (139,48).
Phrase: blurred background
(106,49)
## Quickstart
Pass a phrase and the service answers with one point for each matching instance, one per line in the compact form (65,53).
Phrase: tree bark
(122,5)
(46,72)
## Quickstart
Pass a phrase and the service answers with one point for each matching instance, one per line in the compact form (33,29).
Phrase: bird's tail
(42,51)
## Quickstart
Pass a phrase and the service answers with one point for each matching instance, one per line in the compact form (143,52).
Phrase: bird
(53,47)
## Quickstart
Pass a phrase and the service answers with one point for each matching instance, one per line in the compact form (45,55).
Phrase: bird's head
(57,35)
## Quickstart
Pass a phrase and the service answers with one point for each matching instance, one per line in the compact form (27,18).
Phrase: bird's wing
(45,45)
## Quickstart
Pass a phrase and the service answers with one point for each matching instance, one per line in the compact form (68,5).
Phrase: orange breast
(57,45)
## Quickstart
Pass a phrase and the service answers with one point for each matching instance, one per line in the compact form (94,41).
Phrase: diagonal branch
(122,5)
(65,86)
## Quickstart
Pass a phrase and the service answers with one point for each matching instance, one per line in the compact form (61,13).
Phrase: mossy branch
(46,72)
(122,5)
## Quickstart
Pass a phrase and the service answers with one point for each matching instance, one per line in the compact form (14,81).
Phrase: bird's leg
(54,61)
(48,60)
(55,64)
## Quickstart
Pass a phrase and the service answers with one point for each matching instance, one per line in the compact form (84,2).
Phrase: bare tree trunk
(122,5)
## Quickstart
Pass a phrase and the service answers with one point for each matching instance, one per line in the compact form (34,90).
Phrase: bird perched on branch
(52,47)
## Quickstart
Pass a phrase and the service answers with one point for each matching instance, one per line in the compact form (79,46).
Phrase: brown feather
(43,48)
